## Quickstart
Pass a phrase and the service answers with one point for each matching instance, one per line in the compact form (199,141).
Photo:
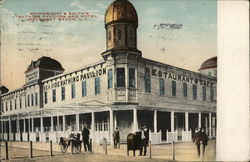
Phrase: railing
(155,138)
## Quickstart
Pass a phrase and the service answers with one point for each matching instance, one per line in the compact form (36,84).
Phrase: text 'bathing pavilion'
(122,90)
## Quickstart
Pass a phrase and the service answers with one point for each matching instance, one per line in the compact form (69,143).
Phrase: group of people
(200,139)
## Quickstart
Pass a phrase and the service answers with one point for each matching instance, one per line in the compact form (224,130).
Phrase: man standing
(116,138)
(200,137)
(85,138)
(144,140)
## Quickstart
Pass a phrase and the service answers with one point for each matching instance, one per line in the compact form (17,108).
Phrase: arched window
(130,33)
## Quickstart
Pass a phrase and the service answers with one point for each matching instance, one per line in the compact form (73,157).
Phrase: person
(144,140)
(85,138)
(116,138)
(200,137)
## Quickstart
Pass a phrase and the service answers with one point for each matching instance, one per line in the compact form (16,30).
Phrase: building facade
(122,90)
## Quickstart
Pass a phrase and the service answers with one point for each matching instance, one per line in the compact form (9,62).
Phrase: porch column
(77,122)
(51,124)
(63,123)
(115,121)
(2,137)
(155,121)
(58,123)
(29,125)
(41,124)
(111,121)
(172,121)
(18,125)
(199,121)
(93,125)
(186,121)
(135,120)
(210,125)
(126,83)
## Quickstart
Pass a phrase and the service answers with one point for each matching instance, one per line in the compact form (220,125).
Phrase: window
(97,85)
(20,102)
(211,94)
(161,86)
(114,34)
(36,98)
(131,77)
(28,100)
(119,34)
(53,95)
(25,101)
(147,83)
(194,92)
(120,77)
(45,97)
(84,88)
(2,107)
(15,103)
(63,93)
(109,35)
(6,106)
(204,96)
(10,105)
(73,91)
(130,35)
(32,100)
(184,89)
(110,79)
(173,88)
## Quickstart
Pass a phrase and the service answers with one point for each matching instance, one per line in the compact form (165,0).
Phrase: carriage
(134,142)
(73,140)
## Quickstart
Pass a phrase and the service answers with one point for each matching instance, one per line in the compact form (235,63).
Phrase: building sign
(77,78)
(178,77)
(33,75)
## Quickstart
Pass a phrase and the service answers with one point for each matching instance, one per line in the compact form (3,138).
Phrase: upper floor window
(173,88)
(161,86)
(53,95)
(45,97)
(20,102)
(36,99)
(6,106)
(120,77)
(147,81)
(130,33)
(15,104)
(110,78)
(28,100)
(204,96)
(97,85)
(73,91)
(62,93)
(25,101)
(84,88)
(185,90)
(109,35)
(2,107)
(131,77)
(10,105)
(194,91)
(119,34)
(211,94)
(32,100)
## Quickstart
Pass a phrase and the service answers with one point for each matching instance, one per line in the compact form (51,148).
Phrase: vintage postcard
(122,80)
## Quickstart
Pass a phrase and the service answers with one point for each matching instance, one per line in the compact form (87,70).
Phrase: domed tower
(209,67)
(121,22)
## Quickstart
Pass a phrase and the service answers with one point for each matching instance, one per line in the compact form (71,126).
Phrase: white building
(122,90)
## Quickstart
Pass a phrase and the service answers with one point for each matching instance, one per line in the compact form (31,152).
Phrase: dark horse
(73,140)
(134,142)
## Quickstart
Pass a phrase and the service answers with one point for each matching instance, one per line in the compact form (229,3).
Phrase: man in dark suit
(144,140)
(85,138)
(200,137)
(116,138)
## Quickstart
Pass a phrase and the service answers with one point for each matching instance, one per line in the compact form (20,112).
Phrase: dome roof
(210,63)
(45,63)
(121,10)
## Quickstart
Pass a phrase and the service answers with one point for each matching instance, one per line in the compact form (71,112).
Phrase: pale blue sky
(75,44)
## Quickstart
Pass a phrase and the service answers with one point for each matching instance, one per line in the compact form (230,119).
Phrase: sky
(80,42)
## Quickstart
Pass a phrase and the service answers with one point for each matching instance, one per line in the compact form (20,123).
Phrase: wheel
(77,149)
(64,148)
